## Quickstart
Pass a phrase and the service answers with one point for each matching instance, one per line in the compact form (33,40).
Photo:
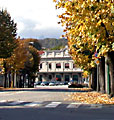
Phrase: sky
(34,18)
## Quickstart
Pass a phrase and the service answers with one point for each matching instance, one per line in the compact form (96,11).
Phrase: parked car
(45,83)
(52,83)
(64,83)
(57,82)
(74,84)
(37,83)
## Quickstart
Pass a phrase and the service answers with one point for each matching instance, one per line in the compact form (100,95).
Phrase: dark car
(74,84)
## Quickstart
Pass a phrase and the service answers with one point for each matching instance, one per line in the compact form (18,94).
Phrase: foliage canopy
(7,34)
(89,27)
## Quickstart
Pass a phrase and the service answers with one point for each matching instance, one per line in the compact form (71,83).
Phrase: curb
(46,89)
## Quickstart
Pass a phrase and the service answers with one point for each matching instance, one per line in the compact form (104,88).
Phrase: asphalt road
(55,114)
(49,105)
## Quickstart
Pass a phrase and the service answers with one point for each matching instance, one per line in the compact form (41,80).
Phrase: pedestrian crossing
(48,104)
(52,104)
(74,105)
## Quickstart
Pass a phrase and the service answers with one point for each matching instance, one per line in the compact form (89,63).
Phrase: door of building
(67,77)
(40,77)
(75,78)
(58,77)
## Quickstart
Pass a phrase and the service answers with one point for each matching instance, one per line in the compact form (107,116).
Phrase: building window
(49,65)
(58,77)
(67,77)
(74,66)
(75,78)
(50,77)
(66,65)
(58,65)
(40,77)
(41,66)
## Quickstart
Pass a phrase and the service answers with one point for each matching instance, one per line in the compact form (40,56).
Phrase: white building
(58,65)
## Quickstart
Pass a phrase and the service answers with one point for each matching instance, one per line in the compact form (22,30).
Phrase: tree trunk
(12,79)
(90,81)
(20,83)
(15,79)
(28,81)
(107,76)
(5,75)
(102,75)
(111,72)
(9,79)
(94,79)
(23,80)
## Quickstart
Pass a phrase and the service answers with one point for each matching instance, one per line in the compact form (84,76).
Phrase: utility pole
(97,77)
(97,63)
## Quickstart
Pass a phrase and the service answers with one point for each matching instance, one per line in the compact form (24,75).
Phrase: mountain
(52,42)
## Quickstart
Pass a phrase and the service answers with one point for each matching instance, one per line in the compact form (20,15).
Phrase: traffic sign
(97,61)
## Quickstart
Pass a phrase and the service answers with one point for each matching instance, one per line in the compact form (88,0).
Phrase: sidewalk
(48,88)
(92,98)
(15,89)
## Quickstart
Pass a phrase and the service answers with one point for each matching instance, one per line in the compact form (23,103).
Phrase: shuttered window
(58,65)
(66,65)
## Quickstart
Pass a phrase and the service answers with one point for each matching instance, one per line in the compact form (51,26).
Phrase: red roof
(41,52)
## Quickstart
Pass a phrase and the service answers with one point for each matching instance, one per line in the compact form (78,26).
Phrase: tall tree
(25,58)
(7,37)
(7,34)
(89,27)
(32,63)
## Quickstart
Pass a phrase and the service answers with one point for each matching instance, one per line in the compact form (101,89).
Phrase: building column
(44,77)
(62,76)
(70,76)
(71,65)
(54,66)
(62,66)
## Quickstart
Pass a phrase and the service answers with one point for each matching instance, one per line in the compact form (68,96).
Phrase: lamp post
(97,63)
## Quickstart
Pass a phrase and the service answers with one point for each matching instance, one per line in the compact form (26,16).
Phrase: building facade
(57,65)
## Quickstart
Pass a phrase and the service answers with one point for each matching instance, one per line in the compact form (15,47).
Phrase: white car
(52,83)
(45,83)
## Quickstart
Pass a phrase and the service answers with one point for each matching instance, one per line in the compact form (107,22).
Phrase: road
(49,104)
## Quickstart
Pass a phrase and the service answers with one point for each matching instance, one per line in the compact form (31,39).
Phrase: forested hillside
(52,42)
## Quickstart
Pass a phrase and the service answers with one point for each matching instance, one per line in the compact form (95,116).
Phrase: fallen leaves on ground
(91,98)
(82,89)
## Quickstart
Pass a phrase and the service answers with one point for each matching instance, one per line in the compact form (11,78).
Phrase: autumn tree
(24,60)
(16,62)
(33,59)
(32,65)
(89,27)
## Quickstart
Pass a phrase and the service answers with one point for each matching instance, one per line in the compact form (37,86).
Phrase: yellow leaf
(113,23)
(99,23)
(54,0)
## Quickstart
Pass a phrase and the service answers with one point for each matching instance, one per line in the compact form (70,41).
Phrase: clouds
(34,18)
(42,33)
(30,30)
